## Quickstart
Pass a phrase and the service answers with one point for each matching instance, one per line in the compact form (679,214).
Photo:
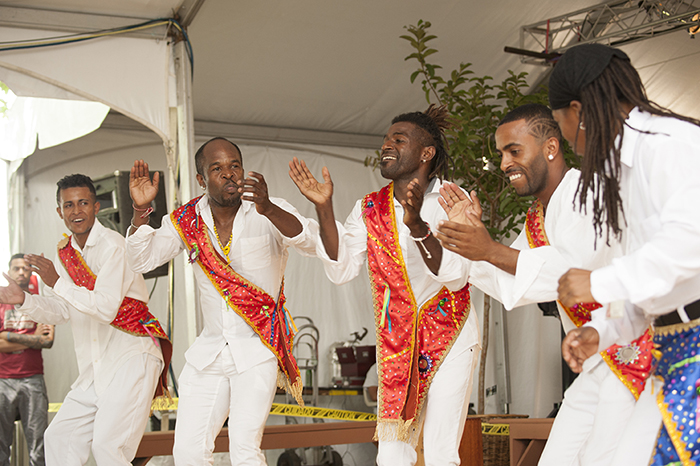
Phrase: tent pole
(184,173)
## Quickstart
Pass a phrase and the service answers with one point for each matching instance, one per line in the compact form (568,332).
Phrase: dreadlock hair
(199,155)
(75,181)
(433,122)
(540,122)
(601,104)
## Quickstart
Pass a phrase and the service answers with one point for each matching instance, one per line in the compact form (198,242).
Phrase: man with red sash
(427,338)
(236,238)
(556,237)
(120,346)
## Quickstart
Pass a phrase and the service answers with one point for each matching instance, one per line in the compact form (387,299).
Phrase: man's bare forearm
(30,341)
(328,230)
(7,347)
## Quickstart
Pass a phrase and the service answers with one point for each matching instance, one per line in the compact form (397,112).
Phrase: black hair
(199,155)
(15,256)
(602,101)
(433,122)
(75,181)
(539,119)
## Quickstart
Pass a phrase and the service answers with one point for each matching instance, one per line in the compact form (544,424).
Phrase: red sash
(631,363)
(268,319)
(411,342)
(133,316)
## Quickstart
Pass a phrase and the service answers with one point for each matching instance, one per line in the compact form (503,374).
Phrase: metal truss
(614,23)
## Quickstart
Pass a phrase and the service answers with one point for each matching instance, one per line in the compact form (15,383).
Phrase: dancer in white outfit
(118,372)
(239,250)
(427,338)
(556,237)
(637,162)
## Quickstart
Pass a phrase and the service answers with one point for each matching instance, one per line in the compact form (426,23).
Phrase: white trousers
(209,396)
(639,439)
(594,414)
(112,423)
(443,416)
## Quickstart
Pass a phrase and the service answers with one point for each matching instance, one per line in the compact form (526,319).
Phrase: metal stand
(306,353)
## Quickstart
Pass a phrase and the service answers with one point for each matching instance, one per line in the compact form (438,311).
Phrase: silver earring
(203,187)
(581,127)
(550,157)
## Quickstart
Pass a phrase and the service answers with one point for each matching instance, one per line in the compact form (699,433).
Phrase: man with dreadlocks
(556,237)
(427,338)
(636,166)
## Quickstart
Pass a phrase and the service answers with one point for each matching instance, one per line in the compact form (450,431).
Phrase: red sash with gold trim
(411,342)
(133,316)
(631,363)
(269,319)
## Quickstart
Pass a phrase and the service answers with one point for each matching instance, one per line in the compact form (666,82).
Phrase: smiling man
(119,361)
(236,238)
(427,336)
(556,237)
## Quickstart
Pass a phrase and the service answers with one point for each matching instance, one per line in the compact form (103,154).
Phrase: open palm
(12,293)
(458,205)
(141,188)
(317,193)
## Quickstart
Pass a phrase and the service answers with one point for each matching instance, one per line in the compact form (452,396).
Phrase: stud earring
(581,127)
(550,157)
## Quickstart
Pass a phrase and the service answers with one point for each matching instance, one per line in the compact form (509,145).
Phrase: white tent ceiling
(339,66)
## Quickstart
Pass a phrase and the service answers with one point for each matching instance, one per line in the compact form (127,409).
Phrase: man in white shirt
(236,237)
(427,338)
(118,372)
(638,160)
(556,237)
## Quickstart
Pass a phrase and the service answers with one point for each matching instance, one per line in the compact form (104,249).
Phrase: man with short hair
(556,237)
(427,336)
(236,238)
(119,358)
(22,387)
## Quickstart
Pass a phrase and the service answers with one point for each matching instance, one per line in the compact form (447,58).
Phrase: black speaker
(116,207)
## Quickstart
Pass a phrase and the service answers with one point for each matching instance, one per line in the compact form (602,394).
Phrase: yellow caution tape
(53,407)
(282,410)
(320,413)
(495,429)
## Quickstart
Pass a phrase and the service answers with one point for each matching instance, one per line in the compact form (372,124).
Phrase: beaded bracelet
(420,241)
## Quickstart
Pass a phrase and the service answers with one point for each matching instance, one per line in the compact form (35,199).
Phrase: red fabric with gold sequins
(252,303)
(133,316)
(411,342)
(631,363)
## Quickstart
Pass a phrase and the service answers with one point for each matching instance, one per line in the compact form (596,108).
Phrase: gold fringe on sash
(390,430)
(296,389)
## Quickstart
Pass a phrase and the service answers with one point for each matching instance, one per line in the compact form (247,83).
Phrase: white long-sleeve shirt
(453,271)
(258,253)
(660,270)
(572,238)
(100,349)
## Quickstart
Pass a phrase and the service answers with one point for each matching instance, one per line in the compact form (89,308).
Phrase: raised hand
(579,345)
(457,204)
(575,287)
(43,267)
(254,189)
(319,194)
(142,189)
(12,293)
(412,206)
